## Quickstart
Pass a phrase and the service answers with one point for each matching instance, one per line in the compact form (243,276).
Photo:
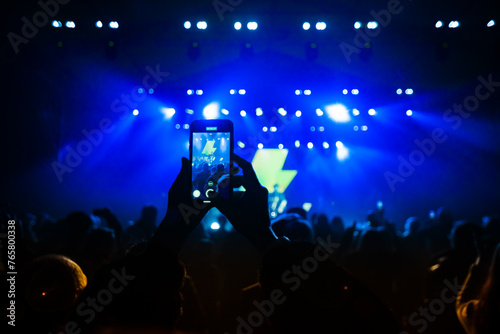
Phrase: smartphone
(211,144)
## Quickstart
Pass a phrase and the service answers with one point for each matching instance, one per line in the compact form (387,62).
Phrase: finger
(250,178)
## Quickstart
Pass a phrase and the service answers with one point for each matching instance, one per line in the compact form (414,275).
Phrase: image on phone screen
(211,164)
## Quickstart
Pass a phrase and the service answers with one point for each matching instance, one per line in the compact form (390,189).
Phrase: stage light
(345,91)
(190,92)
(454,24)
(280,146)
(113,25)
(187,25)
(490,24)
(177,126)
(409,91)
(202,25)
(307,92)
(307,206)
(326,145)
(196,193)
(237,25)
(298,113)
(282,111)
(320,26)
(259,112)
(342,151)
(243,113)
(310,145)
(357,25)
(232,92)
(70,24)
(265,129)
(372,25)
(140,90)
(273,129)
(355,92)
(364,128)
(338,113)
(242,92)
(356,128)
(355,112)
(58,24)
(151,91)
(260,146)
(189,111)
(372,112)
(409,112)
(240,144)
(199,92)
(399,91)
(167,113)
(211,111)
(297,143)
(215,226)
(186,126)
(439,24)
(225,111)
(135,112)
(312,128)
(319,112)
(252,25)
(306,25)
(298,92)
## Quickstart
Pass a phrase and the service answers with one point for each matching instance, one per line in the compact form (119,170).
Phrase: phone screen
(211,163)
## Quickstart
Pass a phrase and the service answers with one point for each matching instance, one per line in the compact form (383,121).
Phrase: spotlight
(372,25)
(312,128)
(439,24)
(140,90)
(202,25)
(199,92)
(187,25)
(306,25)
(282,111)
(307,92)
(70,24)
(177,126)
(240,144)
(167,113)
(113,25)
(243,113)
(298,113)
(355,128)
(242,92)
(298,92)
(357,25)
(186,126)
(342,151)
(265,129)
(364,128)
(58,24)
(260,146)
(491,23)
(326,145)
(189,111)
(355,112)
(310,145)
(345,91)
(399,91)
(409,112)
(321,128)
(454,24)
(237,25)
(280,146)
(273,129)
(372,112)
(135,112)
(189,92)
(211,111)
(338,113)
(259,112)
(320,26)
(409,91)
(252,25)
(225,111)
(232,92)
(319,112)
(151,91)
(297,143)
(98,24)
(355,92)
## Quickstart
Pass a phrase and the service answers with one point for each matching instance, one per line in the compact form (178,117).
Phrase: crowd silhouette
(91,273)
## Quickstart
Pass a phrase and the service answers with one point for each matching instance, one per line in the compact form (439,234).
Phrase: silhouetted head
(412,225)
(79,223)
(465,235)
(220,168)
(205,167)
(300,211)
(293,227)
